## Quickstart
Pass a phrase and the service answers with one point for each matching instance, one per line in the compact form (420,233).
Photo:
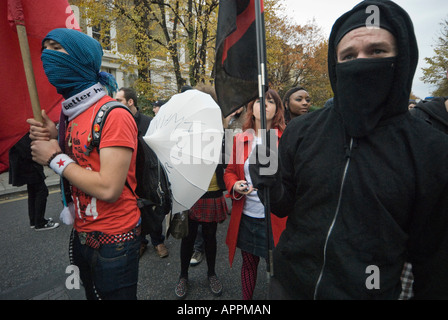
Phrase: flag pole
(28,66)
(261,56)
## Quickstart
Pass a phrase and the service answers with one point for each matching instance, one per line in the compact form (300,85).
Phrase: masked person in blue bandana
(106,236)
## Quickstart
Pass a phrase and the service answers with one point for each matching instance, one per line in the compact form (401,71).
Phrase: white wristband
(60,162)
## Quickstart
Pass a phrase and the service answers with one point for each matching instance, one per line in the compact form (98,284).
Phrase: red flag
(39,17)
(236,65)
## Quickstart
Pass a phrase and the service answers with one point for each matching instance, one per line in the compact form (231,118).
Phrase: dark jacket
(22,168)
(433,112)
(393,208)
(378,200)
(142,122)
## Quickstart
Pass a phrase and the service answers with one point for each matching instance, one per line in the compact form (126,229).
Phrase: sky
(425,14)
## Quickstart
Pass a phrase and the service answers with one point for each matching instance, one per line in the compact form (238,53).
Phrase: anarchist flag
(236,65)
(39,17)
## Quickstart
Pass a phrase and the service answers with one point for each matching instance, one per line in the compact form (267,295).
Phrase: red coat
(234,172)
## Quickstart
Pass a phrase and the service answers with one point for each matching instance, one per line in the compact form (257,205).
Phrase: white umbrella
(186,135)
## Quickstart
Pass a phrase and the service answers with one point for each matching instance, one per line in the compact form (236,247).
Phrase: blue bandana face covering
(66,74)
(79,69)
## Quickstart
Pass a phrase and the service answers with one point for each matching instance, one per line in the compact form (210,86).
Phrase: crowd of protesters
(359,199)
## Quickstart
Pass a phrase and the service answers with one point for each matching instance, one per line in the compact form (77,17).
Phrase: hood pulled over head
(367,91)
(79,69)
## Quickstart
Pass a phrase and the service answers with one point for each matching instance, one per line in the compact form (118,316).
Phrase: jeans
(110,272)
(199,242)
(155,241)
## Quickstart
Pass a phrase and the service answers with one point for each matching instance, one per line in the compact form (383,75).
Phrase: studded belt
(95,239)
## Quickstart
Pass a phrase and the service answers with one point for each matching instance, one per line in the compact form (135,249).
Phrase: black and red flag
(240,71)
(236,65)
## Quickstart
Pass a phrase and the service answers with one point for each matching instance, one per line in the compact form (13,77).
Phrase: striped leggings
(249,274)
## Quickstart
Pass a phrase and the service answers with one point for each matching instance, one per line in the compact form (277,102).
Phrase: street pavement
(33,264)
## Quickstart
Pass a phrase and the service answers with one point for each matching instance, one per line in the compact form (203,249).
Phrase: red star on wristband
(60,163)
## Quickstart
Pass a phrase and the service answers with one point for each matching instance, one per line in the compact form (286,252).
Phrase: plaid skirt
(209,210)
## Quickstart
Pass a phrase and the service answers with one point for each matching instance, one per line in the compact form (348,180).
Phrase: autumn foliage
(176,39)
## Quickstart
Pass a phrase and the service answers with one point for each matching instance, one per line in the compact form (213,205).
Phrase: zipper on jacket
(330,230)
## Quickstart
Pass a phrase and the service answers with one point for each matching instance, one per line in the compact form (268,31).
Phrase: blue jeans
(111,271)
(199,242)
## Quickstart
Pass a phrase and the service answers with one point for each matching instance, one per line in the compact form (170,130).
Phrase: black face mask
(362,90)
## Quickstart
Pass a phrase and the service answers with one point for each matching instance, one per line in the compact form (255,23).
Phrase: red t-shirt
(120,130)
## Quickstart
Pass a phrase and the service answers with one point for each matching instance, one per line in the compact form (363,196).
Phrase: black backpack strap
(98,124)
(140,201)
(97,129)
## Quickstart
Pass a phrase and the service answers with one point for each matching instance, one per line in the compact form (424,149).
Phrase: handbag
(179,225)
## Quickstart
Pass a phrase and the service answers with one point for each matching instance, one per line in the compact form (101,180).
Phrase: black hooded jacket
(358,208)
(433,112)
(22,169)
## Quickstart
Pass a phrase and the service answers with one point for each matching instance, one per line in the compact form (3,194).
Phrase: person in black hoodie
(23,170)
(152,221)
(434,112)
(363,191)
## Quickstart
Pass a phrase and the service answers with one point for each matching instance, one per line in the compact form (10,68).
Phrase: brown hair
(207,88)
(278,122)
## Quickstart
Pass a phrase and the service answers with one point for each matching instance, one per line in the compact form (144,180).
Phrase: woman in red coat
(247,229)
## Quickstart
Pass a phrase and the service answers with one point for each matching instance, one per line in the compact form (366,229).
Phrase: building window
(112,71)
(102,35)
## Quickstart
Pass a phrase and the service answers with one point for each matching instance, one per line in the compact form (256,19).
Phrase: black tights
(187,245)
(37,203)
